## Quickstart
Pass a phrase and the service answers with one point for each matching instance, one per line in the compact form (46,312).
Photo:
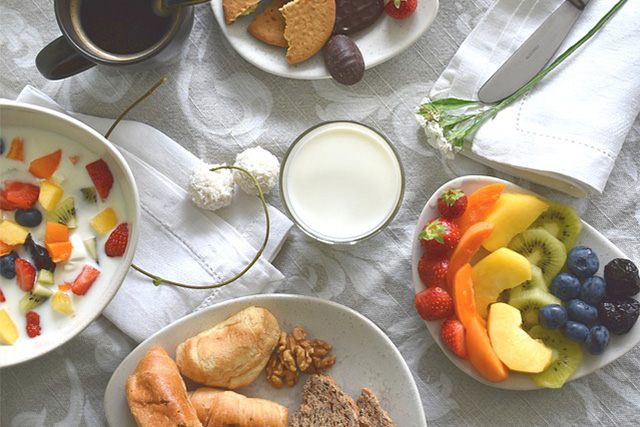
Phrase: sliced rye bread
(370,412)
(324,404)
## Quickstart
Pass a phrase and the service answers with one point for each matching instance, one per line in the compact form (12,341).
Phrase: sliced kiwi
(562,222)
(536,282)
(45,277)
(90,195)
(567,357)
(529,302)
(64,213)
(92,248)
(542,250)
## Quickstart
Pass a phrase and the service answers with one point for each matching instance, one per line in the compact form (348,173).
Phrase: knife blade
(534,53)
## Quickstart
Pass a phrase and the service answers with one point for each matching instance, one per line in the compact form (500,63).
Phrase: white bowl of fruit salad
(518,291)
(68,228)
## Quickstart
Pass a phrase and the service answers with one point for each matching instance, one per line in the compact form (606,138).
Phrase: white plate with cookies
(380,42)
(365,358)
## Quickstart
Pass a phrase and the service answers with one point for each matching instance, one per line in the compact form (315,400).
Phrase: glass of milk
(341,182)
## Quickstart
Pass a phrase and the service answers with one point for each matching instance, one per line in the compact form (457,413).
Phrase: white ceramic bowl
(590,237)
(14,114)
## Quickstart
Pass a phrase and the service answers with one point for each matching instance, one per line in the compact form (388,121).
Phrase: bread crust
(325,404)
(230,409)
(157,395)
(201,399)
(371,412)
(233,353)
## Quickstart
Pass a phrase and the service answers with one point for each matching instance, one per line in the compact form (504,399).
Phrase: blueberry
(565,286)
(593,290)
(582,312)
(28,218)
(597,340)
(552,316)
(583,262)
(1,146)
(575,331)
(8,265)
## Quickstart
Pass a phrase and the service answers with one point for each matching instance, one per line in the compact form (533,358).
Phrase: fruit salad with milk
(62,230)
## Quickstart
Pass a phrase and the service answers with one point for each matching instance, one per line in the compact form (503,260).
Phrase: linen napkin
(568,131)
(178,240)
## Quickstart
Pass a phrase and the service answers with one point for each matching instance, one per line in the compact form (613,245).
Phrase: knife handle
(577,3)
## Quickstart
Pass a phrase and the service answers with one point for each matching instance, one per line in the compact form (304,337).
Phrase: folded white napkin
(568,131)
(178,240)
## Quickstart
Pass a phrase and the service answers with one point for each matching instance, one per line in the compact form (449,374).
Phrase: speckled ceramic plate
(385,39)
(590,237)
(366,357)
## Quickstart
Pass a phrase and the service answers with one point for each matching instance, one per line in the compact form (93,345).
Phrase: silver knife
(534,53)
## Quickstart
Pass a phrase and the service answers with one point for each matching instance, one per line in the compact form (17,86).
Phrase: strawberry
(22,194)
(439,237)
(33,324)
(452,334)
(25,274)
(452,203)
(117,241)
(433,270)
(83,282)
(6,205)
(434,303)
(2,298)
(101,176)
(400,9)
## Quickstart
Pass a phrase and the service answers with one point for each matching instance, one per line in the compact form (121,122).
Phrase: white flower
(211,190)
(435,134)
(263,165)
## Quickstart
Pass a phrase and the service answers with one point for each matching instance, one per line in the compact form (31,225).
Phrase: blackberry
(622,278)
(618,314)
(41,258)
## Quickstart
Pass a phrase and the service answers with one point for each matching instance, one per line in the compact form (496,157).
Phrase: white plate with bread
(227,346)
(383,40)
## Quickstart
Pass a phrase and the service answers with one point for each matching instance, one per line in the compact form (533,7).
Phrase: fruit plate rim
(271,59)
(618,346)
(407,400)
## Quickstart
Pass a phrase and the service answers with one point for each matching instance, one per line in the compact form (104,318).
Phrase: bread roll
(201,399)
(157,395)
(229,409)
(232,353)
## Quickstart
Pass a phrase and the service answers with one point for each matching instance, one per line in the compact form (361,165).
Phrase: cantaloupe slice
(480,203)
(469,244)
(481,354)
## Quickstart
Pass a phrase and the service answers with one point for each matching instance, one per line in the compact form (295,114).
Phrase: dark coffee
(122,26)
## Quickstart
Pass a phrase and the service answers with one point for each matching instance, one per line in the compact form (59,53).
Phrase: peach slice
(479,204)
(481,354)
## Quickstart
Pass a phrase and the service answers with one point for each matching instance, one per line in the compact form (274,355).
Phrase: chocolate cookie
(356,15)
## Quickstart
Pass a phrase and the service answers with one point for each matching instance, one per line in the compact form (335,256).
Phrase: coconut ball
(263,165)
(211,190)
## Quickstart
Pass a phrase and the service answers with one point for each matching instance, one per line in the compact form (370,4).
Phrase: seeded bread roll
(157,395)
(324,404)
(232,353)
(371,412)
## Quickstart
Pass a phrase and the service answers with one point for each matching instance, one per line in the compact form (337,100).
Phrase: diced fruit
(479,205)
(481,354)
(439,237)
(50,195)
(452,335)
(583,262)
(536,282)
(79,252)
(33,324)
(618,314)
(562,222)
(565,286)
(64,213)
(542,250)
(5,249)
(500,270)
(512,214)
(101,176)
(8,330)
(28,218)
(597,341)
(104,221)
(529,303)
(83,282)
(469,244)
(432,270)
(434,304)
(74,159)
(12,234)
(65,286)
(92,248)
(1,146)
(117,242)
(463,299)
(45,166)
(568,357)
(39,254)
(5,205)
(575,331)
(45,277)
(21,194)
(25,274)
(56,232)
(452,203)
(8,265)
(59,251)
(514,347)
(582,312)
(621,276)
(89,195)
(37,296)
(61,303)
(400,9)
(552,316)
(16,152)
(593,290)
(2,298)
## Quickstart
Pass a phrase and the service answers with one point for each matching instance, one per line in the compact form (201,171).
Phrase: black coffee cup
(116,33)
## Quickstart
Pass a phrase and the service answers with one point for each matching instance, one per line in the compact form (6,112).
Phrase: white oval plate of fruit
(482,282)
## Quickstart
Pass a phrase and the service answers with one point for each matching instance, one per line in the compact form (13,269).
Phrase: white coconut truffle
(263,165)
(211,190)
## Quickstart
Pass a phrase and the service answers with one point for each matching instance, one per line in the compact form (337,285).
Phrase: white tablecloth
(216,104)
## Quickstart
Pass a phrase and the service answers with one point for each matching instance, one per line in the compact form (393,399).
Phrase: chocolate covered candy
(356,15)
(344,60)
